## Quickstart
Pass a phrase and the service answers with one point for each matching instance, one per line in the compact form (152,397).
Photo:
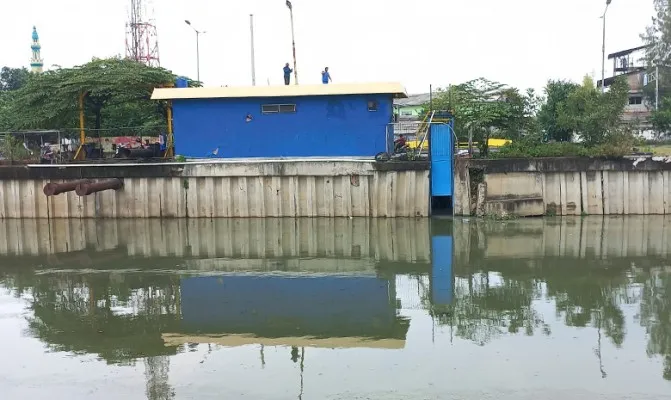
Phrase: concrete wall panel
(365,192)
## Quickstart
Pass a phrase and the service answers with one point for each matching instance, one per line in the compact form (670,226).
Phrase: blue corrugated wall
(321,126)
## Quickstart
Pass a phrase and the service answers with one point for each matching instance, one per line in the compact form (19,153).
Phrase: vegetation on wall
(571,120)
(487,109)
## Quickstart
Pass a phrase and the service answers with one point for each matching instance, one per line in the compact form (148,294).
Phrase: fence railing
(59,146)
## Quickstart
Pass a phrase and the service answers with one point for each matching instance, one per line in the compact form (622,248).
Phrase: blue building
(282,121)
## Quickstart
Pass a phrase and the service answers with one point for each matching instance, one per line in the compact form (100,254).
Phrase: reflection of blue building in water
(274,306)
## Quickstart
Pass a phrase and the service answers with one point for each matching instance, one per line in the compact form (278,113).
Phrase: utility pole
(603,49)
(293,40)
(656,87)
(251,29)
(197,48)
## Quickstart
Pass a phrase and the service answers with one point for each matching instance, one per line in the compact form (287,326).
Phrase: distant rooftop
(413,100)
(395,89)
(626,52)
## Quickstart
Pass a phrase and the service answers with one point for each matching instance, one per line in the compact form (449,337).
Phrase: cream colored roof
(395,89)
(175,339)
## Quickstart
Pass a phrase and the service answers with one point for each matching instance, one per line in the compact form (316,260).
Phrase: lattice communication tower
(141,35)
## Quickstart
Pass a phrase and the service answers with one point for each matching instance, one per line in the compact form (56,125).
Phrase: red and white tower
(141,35)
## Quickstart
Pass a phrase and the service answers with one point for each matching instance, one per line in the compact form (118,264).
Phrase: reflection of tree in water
(584,295)
(656,315)
(592,298)
(118,317)
(482,311)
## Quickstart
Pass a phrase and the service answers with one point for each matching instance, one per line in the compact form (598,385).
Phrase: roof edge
(393,88)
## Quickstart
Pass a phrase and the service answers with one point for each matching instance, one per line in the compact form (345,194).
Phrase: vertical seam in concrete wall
(604,192)
(583,193)
(665,194)
(625,193)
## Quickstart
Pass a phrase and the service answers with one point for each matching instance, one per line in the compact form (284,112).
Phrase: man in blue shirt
(287,74)
(326,77)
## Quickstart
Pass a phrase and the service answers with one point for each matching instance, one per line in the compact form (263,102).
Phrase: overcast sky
(519,42)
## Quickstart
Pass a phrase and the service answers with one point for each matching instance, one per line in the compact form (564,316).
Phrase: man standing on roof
(287,74)
(326,77)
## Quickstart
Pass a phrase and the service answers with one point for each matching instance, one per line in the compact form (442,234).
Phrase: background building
(412,107)
(629,63)
(36,62)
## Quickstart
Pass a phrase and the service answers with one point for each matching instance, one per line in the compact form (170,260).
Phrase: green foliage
(488,109)
(12,149)
(117,93)
(13,78)
(661,119)
(657,37)
(556,94)
(618,143)
(593,115)
(5,113)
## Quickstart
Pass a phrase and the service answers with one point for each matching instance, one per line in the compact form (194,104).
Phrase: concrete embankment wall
(562,186)
(250,188)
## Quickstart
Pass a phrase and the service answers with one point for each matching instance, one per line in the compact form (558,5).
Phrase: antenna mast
(141,35)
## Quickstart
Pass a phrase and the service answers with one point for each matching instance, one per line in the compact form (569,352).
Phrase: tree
(13,78)
(657,37)
(116,92)
(592,115)
(486,108)
(556,94)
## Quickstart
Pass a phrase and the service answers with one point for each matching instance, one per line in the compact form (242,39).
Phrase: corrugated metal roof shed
(414,100)
(395,89)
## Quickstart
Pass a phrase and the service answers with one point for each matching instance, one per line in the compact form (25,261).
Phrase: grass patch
(663,150)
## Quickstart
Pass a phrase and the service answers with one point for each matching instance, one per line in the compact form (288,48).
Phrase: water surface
(336,309)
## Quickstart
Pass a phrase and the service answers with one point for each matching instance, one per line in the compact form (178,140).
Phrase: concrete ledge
(211,168)
(563,164)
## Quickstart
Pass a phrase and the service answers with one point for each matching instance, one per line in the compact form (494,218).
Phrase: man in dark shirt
(287,74)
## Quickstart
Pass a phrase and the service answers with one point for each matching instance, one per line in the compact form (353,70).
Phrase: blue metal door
(442,152)
(441,271)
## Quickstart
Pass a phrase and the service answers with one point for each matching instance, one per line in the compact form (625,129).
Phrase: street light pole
(251,28)
(603,50)
(197,48)
(293,40)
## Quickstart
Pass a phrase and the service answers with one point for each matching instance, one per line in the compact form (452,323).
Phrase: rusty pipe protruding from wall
(53,189)
(85,189)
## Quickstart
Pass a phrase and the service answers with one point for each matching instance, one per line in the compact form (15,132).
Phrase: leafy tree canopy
(657,37)
(117,94)
(12,78)
(593,115)
(556,94)
(488,108)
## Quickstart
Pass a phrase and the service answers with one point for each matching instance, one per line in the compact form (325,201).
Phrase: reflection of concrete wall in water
(274,306)
(260,239)
(588,237)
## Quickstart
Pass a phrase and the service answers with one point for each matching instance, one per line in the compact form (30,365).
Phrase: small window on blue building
(278,108)
(372,105)
(270,108)
(287,108)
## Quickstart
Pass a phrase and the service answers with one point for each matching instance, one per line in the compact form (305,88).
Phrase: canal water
(336,309)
